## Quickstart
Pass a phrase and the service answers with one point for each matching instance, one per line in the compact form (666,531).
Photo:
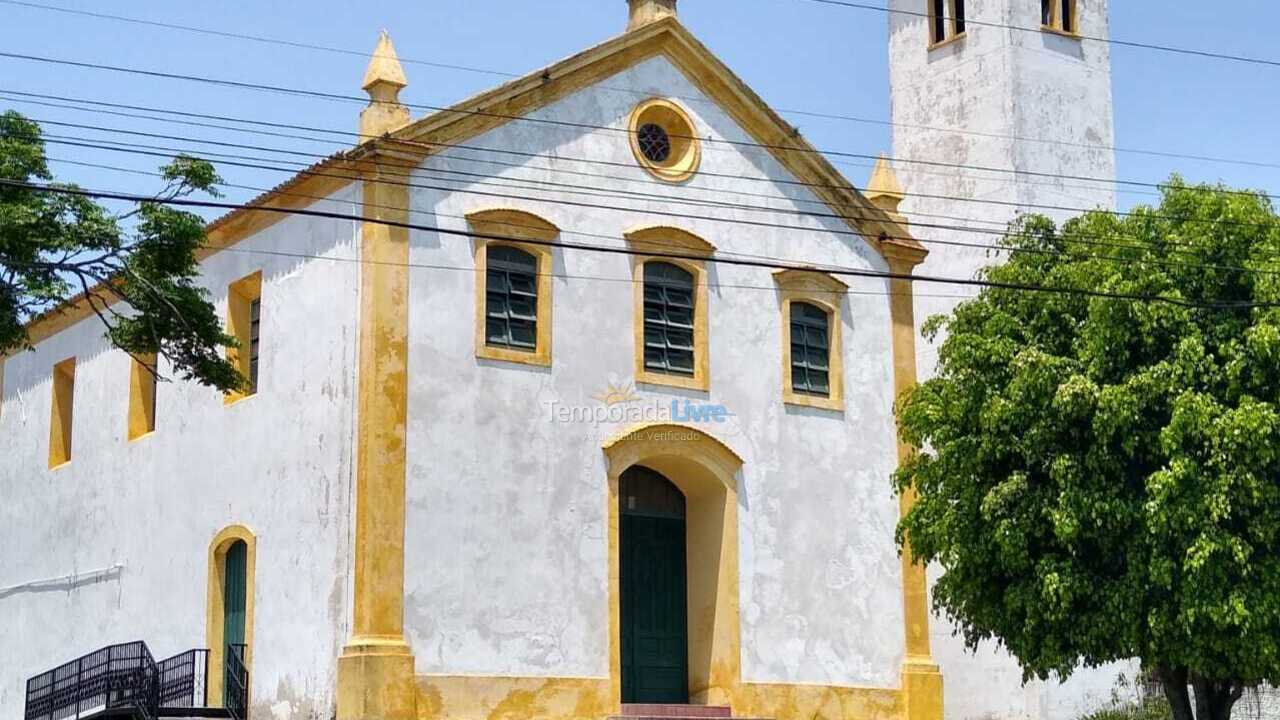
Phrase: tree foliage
(138,270)
(1100,478)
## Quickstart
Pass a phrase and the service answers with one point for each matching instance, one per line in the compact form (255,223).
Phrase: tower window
(668,319)
(511,298)
(946,20)
(1059,15)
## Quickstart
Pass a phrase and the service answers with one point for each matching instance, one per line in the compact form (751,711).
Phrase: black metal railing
(126,679)
(236,690)
(184,680)
(117,676)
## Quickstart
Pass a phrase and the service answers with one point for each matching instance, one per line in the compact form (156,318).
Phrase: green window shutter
(810,350)
(511,298)
(668,319)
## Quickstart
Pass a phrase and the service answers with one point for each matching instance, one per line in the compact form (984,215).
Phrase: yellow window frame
(240,297)
(664,241)
(516,228)
(827,293)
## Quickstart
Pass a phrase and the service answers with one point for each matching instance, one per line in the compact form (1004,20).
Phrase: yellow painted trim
(491,109)
(142,396)
(953,40)
(921,678)
(375,670)
(701,379)
(668,239)
(706,472)
(686,147)
(240,295)
(826,292)
(62,407)
(518,225)
(213,634)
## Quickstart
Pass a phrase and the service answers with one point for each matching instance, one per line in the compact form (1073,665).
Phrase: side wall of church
(506,551)
(114,546)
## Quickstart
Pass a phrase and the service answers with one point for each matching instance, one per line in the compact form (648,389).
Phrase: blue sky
(798,55)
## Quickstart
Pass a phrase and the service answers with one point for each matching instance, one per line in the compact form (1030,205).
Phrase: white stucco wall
(979,109)
(279,463)
(506,566)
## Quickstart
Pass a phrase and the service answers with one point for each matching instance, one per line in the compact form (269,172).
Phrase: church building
(572,400)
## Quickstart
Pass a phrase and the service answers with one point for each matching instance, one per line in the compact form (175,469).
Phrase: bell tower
(999,107)
(993,103)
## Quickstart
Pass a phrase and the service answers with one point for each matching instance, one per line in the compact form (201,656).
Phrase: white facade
(506,554)
(278,462)
(506,548)
(1000,122)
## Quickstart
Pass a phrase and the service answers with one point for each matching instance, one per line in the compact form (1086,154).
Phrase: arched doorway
(654,598)
(229,625)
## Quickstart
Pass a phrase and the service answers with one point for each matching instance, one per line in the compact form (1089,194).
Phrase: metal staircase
(125,681)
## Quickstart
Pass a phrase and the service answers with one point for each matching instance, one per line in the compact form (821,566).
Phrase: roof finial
(383,80)
(883,189)
(644,12)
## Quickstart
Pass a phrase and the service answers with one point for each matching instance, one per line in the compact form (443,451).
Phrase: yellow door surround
(214,617)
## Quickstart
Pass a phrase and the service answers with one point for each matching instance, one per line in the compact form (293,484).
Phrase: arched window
(513,285)
(810,350)
(511,298)
(812,356)
(669,307)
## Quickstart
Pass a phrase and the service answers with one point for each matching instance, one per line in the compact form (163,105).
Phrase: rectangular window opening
(63,402)
(244,323)
(142,396)
(946,20)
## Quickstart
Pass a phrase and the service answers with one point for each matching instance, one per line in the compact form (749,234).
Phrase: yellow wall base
(921,690)
(376,680)
(482,697)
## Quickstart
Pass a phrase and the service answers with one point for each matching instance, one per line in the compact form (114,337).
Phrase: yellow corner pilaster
(921,678)
(376,669)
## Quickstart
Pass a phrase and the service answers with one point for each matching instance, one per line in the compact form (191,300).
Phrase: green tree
(1099,478)
(137,269)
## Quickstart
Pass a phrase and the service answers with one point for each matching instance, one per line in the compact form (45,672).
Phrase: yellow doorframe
(214,605)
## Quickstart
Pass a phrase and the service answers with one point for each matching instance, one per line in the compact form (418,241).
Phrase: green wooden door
(654,611)
(234,581)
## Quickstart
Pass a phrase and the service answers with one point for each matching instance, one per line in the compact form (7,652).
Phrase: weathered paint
(506,544)
(278,463)
(1003,90)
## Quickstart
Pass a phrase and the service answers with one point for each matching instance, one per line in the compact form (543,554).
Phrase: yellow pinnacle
(384,66)
(883,189)
(383,81)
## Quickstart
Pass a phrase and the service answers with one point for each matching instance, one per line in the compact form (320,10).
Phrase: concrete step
(634,711)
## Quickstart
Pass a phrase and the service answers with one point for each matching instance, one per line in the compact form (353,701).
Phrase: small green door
(233,601)
(655,638)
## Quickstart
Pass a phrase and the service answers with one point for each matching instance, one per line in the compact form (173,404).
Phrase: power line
(595,192)
(505,74)
(994,248)
(1110,41)
(518,153)
(833,270)
(575,125)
